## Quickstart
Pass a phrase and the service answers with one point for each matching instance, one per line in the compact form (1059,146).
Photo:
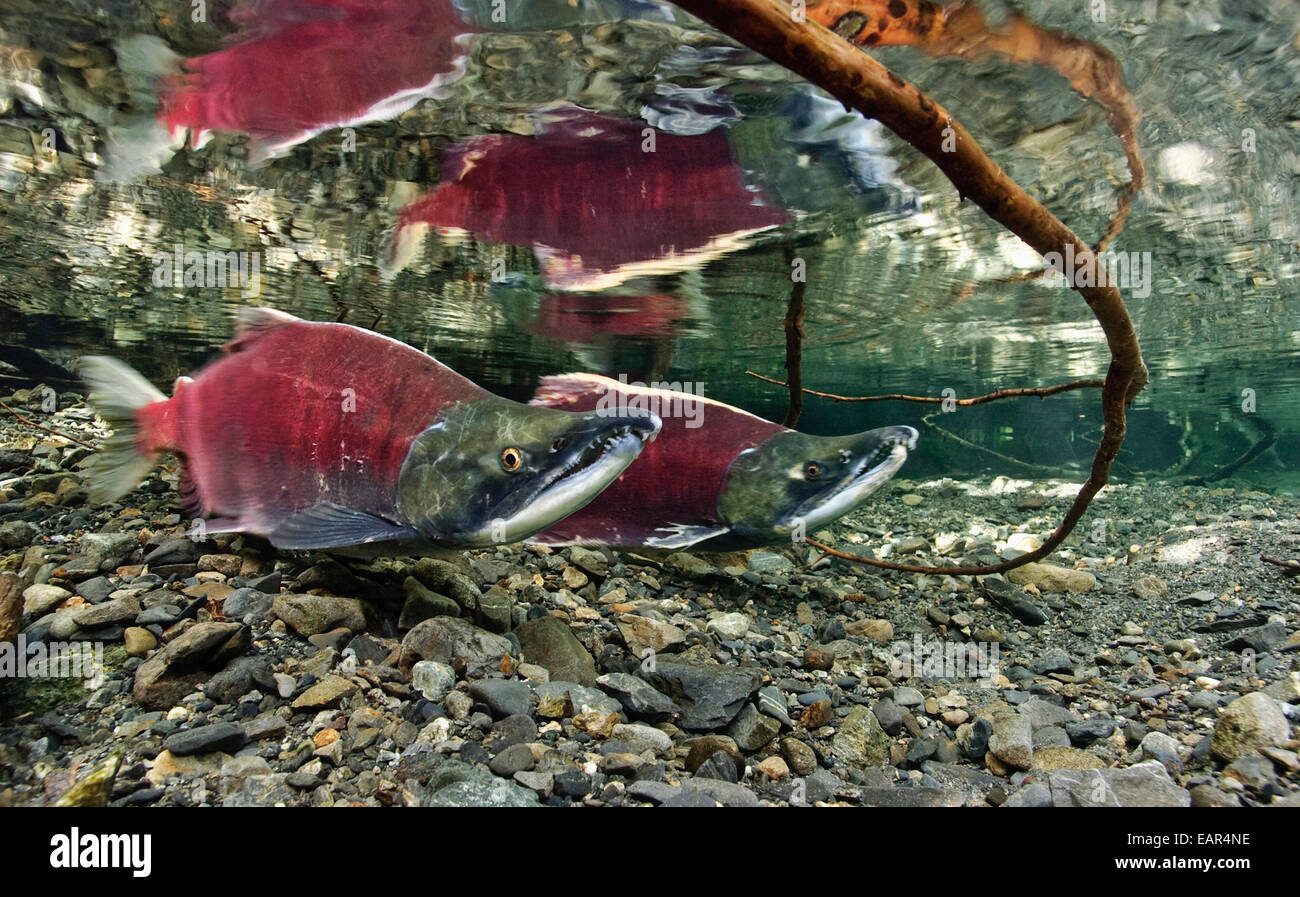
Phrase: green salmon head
(794,483)
(493,471)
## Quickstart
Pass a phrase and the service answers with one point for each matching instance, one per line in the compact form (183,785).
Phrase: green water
(908,289)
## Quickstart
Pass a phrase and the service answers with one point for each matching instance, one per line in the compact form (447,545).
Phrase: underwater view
(623,403)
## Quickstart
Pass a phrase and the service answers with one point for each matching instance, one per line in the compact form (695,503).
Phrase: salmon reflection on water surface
(599,199)
(300,67)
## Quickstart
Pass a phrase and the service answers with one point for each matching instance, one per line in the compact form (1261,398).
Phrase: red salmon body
(673,487)
(297,414)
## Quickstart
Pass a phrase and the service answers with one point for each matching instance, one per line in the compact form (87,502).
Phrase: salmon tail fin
(116,393)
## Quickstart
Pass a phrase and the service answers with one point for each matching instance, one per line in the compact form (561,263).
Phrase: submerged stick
(794,335)
(32,423)
(860,82)
(1014,392)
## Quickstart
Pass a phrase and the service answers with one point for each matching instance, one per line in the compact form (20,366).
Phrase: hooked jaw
(883,453)
(795,482)
(603,448)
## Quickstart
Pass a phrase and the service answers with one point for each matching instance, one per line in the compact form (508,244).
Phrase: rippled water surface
(482,190)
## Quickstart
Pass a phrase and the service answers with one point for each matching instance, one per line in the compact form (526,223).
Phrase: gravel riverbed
(1153,661)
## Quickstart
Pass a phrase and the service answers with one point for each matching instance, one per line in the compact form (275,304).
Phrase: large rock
(184,663)
(1012,740)
(310,615)
(39,600)
(11,606)
(1051,578)
(1249,723)
(551,643)
(422,603)
(638,697)
(225,737)
(1144,785)
(709,695)
(328,692)
(246,602)
(753,730)
(643,634)
(860,741)
(447,579)
(471,651)
(495,610)
(101,551)
(120,610)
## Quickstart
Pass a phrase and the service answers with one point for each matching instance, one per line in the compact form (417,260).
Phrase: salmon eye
(812,470)
(559,444)
(511,459)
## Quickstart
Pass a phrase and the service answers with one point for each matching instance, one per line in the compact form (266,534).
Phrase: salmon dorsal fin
(253,323)
(559,390)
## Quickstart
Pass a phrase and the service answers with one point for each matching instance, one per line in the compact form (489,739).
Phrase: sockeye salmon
(325,436)
(718,474)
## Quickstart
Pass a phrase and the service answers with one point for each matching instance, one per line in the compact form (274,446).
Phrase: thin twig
(1267,437)
(1289,567)
(794,335)
(32,423)
(1040,468)
(1040,391)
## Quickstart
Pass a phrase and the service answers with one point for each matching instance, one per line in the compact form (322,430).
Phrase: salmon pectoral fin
(334,526)
(679,535)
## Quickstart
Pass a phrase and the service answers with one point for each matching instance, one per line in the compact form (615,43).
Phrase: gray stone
(582,697)
(592,562)
(1144,785)
(753,730)
(772,703)
(243,603)
(1033,795)
(709,695)
(729,794)
(447,579)
(550,643)
(504,697)
(310,615)
(1042,713)
(181,665)
(1247,724)
(638,697)
(121,610)
(422,604)
(456,642)
(433,679)
(515,758)
(642,738)
(889,715)
(224,737)
(1162,748)
(860,741)
(481,791)
(1012,740)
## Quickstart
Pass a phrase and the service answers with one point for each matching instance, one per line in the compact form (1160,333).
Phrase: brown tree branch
(772,28)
